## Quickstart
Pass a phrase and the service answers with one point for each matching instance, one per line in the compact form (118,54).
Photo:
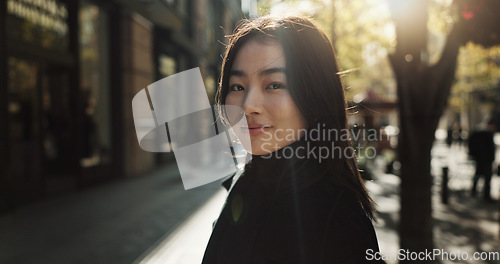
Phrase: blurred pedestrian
(482,149)
(457,135)
(290,206)
(449,137)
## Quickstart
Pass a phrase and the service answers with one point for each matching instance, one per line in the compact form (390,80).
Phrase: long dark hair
(314,85)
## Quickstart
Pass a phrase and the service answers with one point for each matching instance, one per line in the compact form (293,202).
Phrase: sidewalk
(465,224)
(112,223)
(186,245)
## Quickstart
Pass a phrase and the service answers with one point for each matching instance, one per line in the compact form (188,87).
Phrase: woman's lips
(255,130)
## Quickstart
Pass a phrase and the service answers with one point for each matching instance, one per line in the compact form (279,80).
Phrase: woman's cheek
(233,99)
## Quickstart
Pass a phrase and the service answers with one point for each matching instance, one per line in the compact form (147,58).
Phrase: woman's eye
(236,88)
(275,86)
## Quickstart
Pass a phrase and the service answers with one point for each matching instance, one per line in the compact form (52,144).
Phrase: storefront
(68,72)
(57,123)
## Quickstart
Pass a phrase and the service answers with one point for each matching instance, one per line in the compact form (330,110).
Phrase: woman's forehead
(259,57)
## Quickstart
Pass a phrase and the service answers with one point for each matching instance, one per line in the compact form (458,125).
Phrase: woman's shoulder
(325,203)
(348,230)
(337,206)
(324,191)
(332,224)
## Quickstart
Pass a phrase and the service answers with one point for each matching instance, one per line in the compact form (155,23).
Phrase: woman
(293,203)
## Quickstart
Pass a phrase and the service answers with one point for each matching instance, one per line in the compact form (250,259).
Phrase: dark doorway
(58,125)
(41,137)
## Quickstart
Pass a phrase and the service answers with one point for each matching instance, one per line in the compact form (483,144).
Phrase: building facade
(68,72)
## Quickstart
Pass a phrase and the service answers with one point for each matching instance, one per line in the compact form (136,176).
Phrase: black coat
(482,146)
(320,223)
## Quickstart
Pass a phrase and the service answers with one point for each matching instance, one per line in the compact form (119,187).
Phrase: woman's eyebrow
(269,71)
(236,73)
(272,70)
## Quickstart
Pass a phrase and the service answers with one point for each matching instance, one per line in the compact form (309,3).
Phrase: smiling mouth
(255,130)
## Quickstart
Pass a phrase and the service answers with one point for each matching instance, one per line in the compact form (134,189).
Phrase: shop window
(167,66)
(94,85)
(40,23)
(23,116)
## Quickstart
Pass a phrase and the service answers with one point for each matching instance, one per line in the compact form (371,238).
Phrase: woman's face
(257,84)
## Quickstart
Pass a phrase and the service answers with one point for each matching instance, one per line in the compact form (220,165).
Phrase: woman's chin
(261,151)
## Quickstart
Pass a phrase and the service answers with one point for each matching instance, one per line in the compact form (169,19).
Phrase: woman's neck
(285,169)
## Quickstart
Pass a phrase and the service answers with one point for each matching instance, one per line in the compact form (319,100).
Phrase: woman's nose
(253,101)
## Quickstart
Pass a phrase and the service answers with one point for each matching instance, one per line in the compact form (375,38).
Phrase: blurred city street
(152,219)
(465,224)
(78,186)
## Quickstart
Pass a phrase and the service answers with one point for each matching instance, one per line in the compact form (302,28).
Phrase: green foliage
(478,70)
(442,16)
(364,34)
(478,67)
(264,7)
